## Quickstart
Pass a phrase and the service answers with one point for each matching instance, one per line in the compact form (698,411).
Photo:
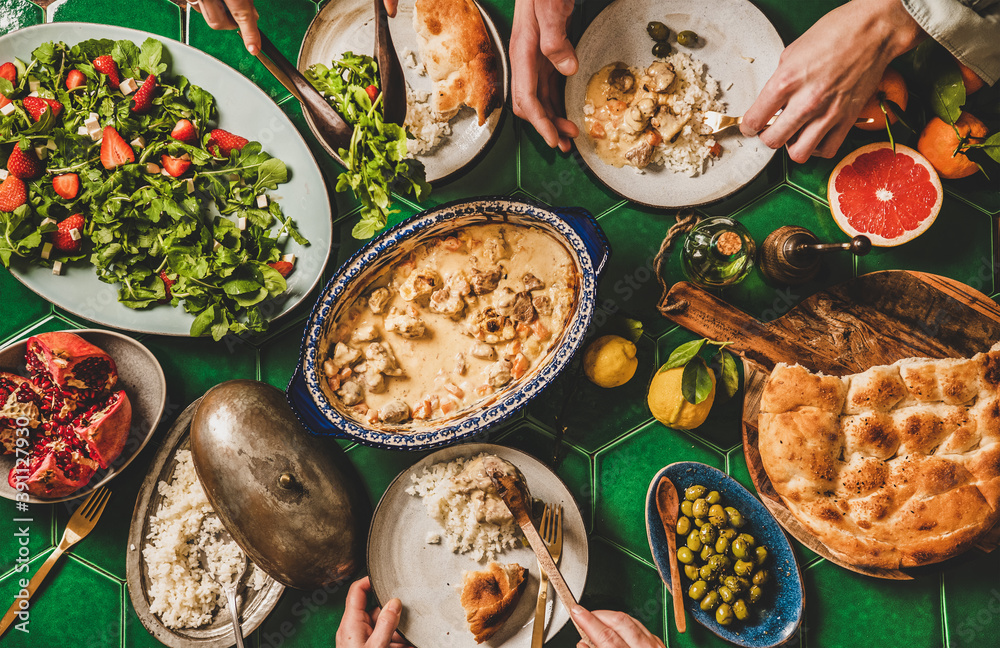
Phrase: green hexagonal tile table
(611,445)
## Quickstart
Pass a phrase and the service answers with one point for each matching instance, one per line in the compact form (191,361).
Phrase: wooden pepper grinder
(792,255)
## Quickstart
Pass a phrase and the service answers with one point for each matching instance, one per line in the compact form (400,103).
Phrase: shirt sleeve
(969,29)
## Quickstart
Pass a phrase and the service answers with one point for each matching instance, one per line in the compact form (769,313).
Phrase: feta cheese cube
(48,221)
(83,130)
(75,234)
(128,86)
(217,245)
(241,222)
(290,258)
(34,85)
(189,185)
(262,201)
(92,122)
(3,174)
(93,116)
(32,94)
(57,268)
(138,142)
(41,152)
(7,110)
(186,156)
(46,250)
(233,177)
(164,172)
(50,144)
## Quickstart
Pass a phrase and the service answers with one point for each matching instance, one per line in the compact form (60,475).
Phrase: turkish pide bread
(459,56)
(898,466)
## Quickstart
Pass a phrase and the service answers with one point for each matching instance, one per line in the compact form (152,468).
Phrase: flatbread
(490,596)
(898,466)
(459,55)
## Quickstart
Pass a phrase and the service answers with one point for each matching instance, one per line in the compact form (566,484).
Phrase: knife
(513,493)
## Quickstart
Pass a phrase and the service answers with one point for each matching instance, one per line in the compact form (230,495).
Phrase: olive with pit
(697,590)
(694,541)
(761,577)
(707,551)
(657,30)
(722,545)
(708,534)
(741,610)
(685,555)
(717,515)
(683,525)
(761,555)
(661,49)
(724,614)
(687,508)
(691,493)
(728,534)
(710,601)
(756,592)
(720,562)
(733,583)
(726,594)
(687,38)
(739,548)
(735,517)
(691,571)
(713,497)
(701,507)
(743,567)
(707,574)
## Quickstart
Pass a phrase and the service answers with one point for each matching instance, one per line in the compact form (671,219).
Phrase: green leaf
(274,283)
(150,55)
(241,286)
(249,299)
(683,354)
(202,322)
(948,94)
(270,174)
(696,382)
(126,55)
(730,374)
(992,146)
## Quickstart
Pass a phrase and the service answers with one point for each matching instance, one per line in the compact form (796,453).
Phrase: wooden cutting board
(871,320)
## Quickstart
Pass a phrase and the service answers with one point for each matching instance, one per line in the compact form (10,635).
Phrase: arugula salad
(376,160)
(112,159)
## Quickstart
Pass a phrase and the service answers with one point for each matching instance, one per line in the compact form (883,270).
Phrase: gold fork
(80,524)
(718,122)
(552,535)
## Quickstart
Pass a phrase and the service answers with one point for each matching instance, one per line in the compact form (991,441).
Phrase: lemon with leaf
(683,390)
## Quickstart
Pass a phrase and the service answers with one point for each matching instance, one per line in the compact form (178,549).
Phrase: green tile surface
(611,445)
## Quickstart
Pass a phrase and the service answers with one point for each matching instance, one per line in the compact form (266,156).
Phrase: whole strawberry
(143,100)
(227,141)
(62,239)
(107,65)
(13,193)
(24,164)
(36,106)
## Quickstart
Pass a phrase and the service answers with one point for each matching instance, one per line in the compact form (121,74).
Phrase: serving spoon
(666,506)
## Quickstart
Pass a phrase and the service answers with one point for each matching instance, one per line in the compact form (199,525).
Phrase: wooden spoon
(666,505)
(390,73)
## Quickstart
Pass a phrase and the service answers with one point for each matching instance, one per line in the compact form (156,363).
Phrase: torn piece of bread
(490,596)
(459,55)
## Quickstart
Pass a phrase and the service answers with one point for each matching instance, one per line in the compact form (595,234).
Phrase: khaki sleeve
(969,29)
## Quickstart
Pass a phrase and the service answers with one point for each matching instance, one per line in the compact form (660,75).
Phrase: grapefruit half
(889,197)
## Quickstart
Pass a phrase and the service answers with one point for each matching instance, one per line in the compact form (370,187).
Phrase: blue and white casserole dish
(575,229)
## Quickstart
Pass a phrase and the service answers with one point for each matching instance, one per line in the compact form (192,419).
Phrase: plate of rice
(735,53)
(425,536)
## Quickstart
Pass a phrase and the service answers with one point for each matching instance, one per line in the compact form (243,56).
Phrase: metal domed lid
(290,500)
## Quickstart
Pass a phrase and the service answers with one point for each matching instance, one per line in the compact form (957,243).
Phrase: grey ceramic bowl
(139,374)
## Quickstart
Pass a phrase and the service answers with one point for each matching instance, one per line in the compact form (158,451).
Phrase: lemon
(610,361)
(667,403)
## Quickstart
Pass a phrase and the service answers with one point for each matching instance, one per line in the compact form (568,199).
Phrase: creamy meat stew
(457,320)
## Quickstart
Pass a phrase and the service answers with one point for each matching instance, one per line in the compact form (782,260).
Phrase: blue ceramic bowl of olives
(776,616)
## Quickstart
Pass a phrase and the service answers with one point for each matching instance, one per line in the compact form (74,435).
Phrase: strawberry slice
(227,141)
(36,106)
(284,267)
(372,91)
(24,164)
(75,79)
(143,99)
(7,71)
(184,131)
(13,193)
(167,283)
(62,238)
(107,65)
(175,166)
(115,151)
(66,185)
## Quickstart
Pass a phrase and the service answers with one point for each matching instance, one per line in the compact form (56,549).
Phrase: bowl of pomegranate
(448,323)
(75,408)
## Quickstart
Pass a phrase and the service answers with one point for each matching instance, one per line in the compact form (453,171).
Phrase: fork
(552,535)
(718,122)
(80,524)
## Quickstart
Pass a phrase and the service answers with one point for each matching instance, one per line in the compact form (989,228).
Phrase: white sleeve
(969,29)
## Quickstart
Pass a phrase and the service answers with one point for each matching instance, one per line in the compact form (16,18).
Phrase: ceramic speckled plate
(139,374)
(427,578)
(243,108)
(778,615)
(740,48)
(349,26)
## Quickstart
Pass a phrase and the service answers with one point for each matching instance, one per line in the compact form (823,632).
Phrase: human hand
(827,75)
(607,629)
(362,629)
(539,50)
(241,15)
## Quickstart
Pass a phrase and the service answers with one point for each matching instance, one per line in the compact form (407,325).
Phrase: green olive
(761,577)
(707,574)
(744,584)
(691,571)
(694,541)
(726,594)
(743,567)
(720,563)
(751,543)
(687,508)
(741,610)
(735,517)
(661,49)
(739,548)
(707,551)
(697,590)
(733,583)
(709,601)
(699,522)
(691,493)
(657,31)
(713,497)
(761,555)
(708,534)
(685,555)
(701,507)
(756,592)
(724,614)
(721,545)
(728,534)
(687,38)
(683,525)
(717,515)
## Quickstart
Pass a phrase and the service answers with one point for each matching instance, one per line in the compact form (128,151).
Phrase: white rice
(453,511)
(181,593)
(694,91)
(422,121)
